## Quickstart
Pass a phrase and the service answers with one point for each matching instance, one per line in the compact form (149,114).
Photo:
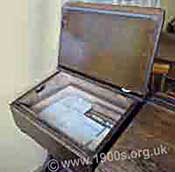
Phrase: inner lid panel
(112,46)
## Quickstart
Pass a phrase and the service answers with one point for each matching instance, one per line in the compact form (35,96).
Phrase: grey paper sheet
(68,116)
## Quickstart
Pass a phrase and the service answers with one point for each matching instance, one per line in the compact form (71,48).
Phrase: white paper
(68,115)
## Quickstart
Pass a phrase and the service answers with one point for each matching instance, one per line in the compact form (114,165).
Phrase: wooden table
(153,127)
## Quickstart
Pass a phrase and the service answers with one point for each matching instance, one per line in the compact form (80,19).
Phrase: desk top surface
(151,132)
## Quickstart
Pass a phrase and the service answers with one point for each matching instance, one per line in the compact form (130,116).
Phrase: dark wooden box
(105,61)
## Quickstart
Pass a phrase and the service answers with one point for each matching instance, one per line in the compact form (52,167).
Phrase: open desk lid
(111,43)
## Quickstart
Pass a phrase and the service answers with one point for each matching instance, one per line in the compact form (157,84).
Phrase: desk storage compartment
(72,116)
(104,66)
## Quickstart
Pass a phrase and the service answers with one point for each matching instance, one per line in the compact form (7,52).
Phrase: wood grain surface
(152,128)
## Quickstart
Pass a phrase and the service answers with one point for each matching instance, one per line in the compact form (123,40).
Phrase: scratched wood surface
(153,127)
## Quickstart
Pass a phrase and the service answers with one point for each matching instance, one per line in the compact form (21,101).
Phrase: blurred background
(29,32)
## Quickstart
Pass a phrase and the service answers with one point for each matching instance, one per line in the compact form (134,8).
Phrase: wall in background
(43,33)
(29,33)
